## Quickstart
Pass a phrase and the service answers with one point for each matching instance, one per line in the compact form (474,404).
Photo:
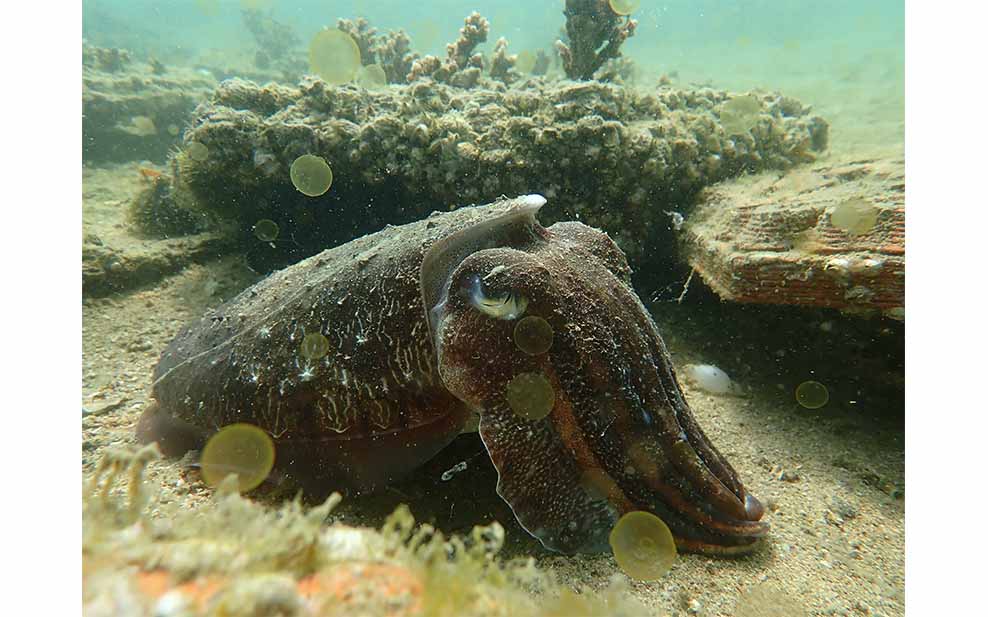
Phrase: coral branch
(462,67)
(590,26)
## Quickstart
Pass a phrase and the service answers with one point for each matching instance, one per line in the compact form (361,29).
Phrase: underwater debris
(595,34)
(708,378)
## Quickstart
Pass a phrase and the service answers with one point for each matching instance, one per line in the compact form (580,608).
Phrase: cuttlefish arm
(618,435)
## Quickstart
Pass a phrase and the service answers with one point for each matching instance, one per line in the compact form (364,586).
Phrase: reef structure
(613,157)
(133,110)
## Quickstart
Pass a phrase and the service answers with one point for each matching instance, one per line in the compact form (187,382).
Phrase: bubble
(173,130)
(599,485)
(314,346)
(141,126)
(266,230)
(812,394)
(855,216)
(533,335)
(311,175)
(643,546)
(197,151)
(243,449)
(525,61)
(740,114)
(624,7)
(530,395)
(334,56)
(372,77)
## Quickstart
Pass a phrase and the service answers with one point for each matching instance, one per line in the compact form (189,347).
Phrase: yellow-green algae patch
(311,175)
(246,557)
(197,151)
(812,394)
(372,77)
(266,230)
(533,335)
(625,7)
(334,56)
(643,546)
(241,449)
(530,395)
(314,346)
(855,216)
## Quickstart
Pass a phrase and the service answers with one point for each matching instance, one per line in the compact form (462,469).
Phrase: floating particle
(266,230)
(141,126)
(740,114)
(173,130)
(533,335)
(625,7)
(530,395)
(334,56)
(643,546)
(812,394)
(197,151)
(311,175)
(855,216)
(452,471)
(241,449)
(525,62)
(314,346)
(372,77)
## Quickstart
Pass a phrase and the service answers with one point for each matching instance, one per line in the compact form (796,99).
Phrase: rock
(613,157)
(779,240)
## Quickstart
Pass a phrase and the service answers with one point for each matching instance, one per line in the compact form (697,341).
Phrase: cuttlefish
(584,420)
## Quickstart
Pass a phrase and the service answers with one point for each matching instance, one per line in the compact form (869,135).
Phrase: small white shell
(708,377)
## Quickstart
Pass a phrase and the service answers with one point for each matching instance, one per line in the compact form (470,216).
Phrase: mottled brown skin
(412,359)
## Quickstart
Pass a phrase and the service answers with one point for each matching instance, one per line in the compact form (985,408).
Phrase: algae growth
(235,556)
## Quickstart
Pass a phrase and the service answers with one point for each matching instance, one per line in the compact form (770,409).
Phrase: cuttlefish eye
(504,305)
